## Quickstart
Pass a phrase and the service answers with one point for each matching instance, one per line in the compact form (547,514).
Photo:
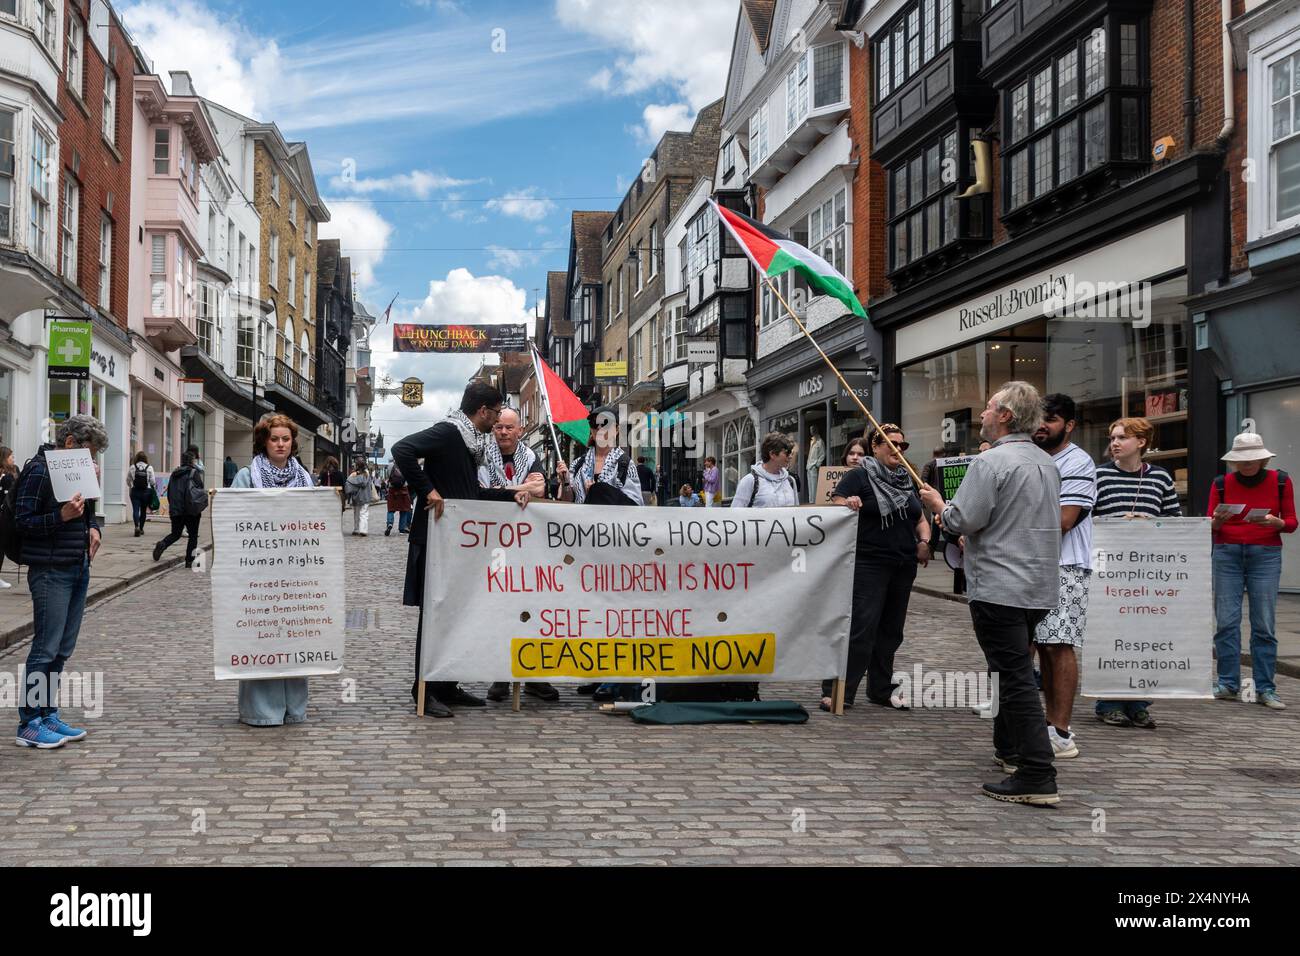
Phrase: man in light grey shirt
(1008,509)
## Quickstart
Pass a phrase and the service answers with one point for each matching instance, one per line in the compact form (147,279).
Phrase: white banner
(1150,610)
(277,582)
(570,593)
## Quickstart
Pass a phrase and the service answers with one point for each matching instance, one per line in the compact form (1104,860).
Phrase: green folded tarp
(732,712)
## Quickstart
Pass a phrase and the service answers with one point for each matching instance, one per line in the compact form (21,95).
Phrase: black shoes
(460,698)
(158,550)
(498,691)
(587,689)
(541,690)
(388,531)
(1015,790)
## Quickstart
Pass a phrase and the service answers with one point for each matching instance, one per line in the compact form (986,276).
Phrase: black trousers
(881,590)
(1019,728)
(189,524)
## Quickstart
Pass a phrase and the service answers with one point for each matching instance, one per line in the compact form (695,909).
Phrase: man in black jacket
(451,451)
(58,543)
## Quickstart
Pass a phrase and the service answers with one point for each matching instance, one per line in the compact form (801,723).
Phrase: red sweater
(1236,530)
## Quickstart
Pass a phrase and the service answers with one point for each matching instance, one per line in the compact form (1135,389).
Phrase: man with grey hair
(59,540)
(1008,509)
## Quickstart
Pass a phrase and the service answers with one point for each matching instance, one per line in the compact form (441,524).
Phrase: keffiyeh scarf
(523,459)
(266,475)
(609,474)
(893,489)
(474,439)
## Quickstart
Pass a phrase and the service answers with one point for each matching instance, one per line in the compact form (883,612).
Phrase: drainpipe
(1189,74)
(1229,109)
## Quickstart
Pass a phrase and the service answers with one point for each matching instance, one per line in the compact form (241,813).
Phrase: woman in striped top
(1129,487)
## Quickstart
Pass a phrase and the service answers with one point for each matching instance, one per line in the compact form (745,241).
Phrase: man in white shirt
(1061,632)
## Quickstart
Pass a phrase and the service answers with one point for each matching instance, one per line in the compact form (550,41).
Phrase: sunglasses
(900,445)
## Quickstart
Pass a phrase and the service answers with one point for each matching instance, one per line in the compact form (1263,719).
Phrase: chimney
(181,85)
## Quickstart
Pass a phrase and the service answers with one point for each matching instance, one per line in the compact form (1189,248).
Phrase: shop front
(1108,328)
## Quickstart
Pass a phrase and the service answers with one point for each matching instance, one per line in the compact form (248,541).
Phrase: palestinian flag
(564,409)
(773,254)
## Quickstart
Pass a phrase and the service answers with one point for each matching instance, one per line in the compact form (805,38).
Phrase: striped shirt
(1079,488)
(1149,491)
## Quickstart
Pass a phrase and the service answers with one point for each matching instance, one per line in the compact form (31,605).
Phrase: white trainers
(1062,747)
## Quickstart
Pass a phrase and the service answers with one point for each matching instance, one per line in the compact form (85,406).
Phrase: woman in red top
(1252,507)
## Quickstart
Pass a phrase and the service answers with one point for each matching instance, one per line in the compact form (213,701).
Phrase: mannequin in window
(816,458)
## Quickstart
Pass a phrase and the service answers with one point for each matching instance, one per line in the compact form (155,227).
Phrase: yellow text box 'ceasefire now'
(731,655)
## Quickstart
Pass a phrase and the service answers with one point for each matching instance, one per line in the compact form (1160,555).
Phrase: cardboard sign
(1150,626)
(569,594)
(828,477)
(277,582)
(72,471)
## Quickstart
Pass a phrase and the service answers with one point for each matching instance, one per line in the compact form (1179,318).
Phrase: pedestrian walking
(1251,507)
(196,459)
(59,541)
(399,503)
(769,484)
(1128,487)
(712,493)
(8,478)
(1008,507)
(228,472)
(451,452)
(141,488)
(360,494)
(1060,635)
(893,537)
(274,701)
(186,501)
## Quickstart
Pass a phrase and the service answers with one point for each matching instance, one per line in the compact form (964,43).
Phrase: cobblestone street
(167,774)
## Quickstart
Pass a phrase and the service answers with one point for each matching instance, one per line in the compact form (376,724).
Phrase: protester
(1247,556)
(451,451)
(140,486)
(8,478)
(1008,508)
(854,453)
(712,483)
(509,463)
(769,484)
(1130,488)
(331,476)
(360,493)
(399,503)
(603,476)
(229,470)
(893,537)
(59,541)
(686,497)
(1060,634)
(647,479)
(186,500)
(271,702)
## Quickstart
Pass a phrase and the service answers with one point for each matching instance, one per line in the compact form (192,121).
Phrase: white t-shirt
(1078,487)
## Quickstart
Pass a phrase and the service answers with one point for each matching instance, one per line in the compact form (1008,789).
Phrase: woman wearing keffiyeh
(270,703)
(606,474)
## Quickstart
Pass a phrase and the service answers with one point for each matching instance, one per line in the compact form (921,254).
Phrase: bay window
(38,232)
(924,212)
(7,118)
(921,32)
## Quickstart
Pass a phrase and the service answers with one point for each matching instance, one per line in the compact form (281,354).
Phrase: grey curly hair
(1024,403)
(86,430)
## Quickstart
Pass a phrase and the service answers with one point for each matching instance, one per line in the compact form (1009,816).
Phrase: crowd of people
(1023,514)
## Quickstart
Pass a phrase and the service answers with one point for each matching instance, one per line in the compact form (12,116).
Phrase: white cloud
(684,45)
(602,79)
(363,235)
(658,120)
(522,204)
(419,182)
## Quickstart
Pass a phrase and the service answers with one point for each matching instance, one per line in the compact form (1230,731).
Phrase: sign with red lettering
(499,337)
(277,582)
(560,593)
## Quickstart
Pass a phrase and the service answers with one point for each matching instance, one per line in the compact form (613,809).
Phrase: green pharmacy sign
(69,355)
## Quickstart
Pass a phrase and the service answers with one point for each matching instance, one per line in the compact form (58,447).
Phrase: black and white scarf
(474,439)
(523,460)
(893,489)
(266,475)
(608,474)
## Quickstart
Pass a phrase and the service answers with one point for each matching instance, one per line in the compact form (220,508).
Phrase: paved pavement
(169,776)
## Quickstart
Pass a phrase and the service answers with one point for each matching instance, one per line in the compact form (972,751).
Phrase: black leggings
(189,524)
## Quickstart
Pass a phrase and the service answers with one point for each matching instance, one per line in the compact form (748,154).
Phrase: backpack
(196,497)
(11,538)
(140,477)
(754,491)
(1281,487)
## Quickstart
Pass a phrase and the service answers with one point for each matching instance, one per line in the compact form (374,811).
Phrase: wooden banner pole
(515,687)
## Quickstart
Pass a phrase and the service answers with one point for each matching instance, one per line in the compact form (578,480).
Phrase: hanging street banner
(1150,610)
(460,338)
(69,349)
(277,582)
(556,592)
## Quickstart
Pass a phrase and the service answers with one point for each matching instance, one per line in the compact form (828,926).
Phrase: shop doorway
(1277,420)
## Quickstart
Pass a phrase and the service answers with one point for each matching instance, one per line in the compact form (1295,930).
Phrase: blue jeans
(58,603)
(403,520)
(140,505)
(1255,569)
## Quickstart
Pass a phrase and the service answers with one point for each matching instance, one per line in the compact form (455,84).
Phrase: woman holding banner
(893,537)
(1128,487)
(270,703)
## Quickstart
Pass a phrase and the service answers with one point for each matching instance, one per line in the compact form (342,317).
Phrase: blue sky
(452,138)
